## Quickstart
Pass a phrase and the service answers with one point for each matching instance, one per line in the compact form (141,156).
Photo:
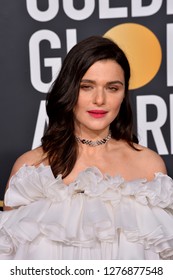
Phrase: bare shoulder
(151,160)
(32,157)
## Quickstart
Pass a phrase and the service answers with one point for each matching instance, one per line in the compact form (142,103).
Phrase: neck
(97,142)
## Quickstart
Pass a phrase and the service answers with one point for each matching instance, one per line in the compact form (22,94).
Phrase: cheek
(81,104)
(116,104)
(77,108)
(81,101)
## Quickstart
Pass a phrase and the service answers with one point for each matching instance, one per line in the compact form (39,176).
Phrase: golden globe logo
(142,49)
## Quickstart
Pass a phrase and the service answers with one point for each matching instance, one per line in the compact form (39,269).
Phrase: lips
(97,113)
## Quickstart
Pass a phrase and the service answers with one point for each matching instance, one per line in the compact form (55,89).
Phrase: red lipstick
(97,113)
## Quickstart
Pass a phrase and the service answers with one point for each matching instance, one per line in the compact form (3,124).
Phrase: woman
(90,191)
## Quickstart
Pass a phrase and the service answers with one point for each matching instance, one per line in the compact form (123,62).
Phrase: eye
(85,87)
(113,88)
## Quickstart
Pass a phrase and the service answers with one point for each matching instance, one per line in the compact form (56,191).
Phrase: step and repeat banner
(35,36)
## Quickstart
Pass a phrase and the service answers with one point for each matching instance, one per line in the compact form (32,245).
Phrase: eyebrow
(108,83)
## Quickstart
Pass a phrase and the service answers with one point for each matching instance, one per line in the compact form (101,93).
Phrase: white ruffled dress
(95,217)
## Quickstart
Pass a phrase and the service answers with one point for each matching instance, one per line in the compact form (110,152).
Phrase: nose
(99,97)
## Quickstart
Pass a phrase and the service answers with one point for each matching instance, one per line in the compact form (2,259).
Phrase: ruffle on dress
(95,217)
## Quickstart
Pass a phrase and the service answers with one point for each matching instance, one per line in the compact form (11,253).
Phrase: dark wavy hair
(58,142)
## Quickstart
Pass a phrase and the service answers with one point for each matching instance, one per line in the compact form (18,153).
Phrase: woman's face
(100,96)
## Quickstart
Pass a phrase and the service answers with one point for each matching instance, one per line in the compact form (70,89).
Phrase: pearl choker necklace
(94,143)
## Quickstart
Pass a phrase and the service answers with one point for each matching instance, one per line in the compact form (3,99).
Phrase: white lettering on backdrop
(54,62)
(154,126)
(140,11)
(34,55)
(35,13)
(105,11)
(169,55)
